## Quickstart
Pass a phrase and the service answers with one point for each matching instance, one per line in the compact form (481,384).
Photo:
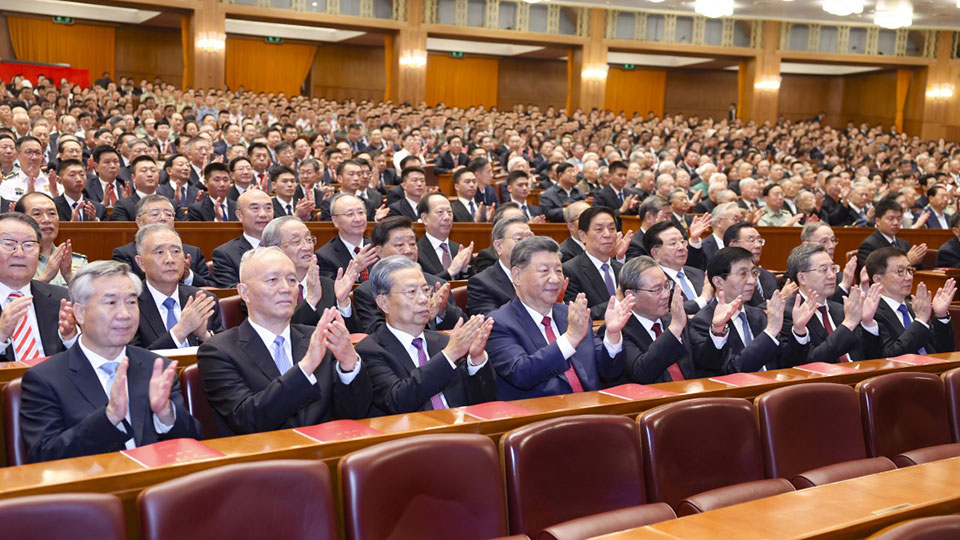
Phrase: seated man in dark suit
(949,254)
(722,218)
(283,180)
(835,210)
(540,347)
(572,246)
(71,204)
(729,336)
(172,315)
(102,395)
(254,210)
(414,184)
(492,288)
(465,209)
(315,292)
(452,158)
(664,241)
(215,205)
(594,272)
(411,367)
(145,177)
(553,199)
(838,332)
(919,327)
(656,346)
(105,188)
(483,170)
(745,235)
(270,374)
(616,194)
(395,236)
(888,217)
(518,188)
(177,187)
(938,199)
(350,218)
(439,255)
(157,209)
(652,211)
(352,182)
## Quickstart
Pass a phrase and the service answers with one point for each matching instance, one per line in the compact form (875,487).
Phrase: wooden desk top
(850,509)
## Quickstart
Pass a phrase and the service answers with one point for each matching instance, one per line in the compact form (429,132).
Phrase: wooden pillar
(406,59)
(588,67)
(759,79)
(932,109)
(205,48)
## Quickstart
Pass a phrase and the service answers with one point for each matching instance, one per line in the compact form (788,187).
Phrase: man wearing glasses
(921,326)
(745,235)
(818,232)
(350,219)
(416,369)
(315,293)
(839,332)
(31,159)
(729,336)
(664,241)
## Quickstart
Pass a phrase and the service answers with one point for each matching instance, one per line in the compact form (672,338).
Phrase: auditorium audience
(350,219)
(145,174)
(72,204)
(664,241)
(493,287)
(214,205)
(438,255)
(57,264)
(745,235)
(105,188)
(254,211)
(889,215)
(594,272)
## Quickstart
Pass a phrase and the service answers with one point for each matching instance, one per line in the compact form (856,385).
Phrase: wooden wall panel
(144,52)
(531,81)
(700,92)
(804,96)
(349,71)
(871,98)
(635,91)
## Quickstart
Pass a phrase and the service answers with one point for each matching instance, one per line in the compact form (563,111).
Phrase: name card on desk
(495,410)
(918,359)
(171,452)
(824,368)
(633,391)
(337,430)
(742,379)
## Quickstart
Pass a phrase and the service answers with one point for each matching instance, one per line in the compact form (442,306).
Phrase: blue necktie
(170,303)
(473,209)
(747,333)
(608,279)
(905,315)
(110,368)
(280,356)
(685,285)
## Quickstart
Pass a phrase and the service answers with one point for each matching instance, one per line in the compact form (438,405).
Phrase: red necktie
(828,326)
(25,342)
(570,374)
(674,368)
(364,275)
(299,293)
(112,199)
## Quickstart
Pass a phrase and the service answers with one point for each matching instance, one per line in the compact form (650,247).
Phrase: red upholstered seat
(63,516)
(608,522)
(735,494)
(289,499)
(583,465)
(931,528)
(230,312)
(951,387)
(16,451)
(430,487)
(195,398)
(460,297)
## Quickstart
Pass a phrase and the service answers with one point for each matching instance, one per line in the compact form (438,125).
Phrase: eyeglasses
(900,272)
(743,274)
(675,244)
(413,292)
(353,215)
(33,153)
(10,245)
(753,240)
(311,240)
(154,214)
(667,286)
(823,269)
(832,241)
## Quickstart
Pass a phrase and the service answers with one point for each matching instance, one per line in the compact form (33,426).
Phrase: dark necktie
(364,274)
(905,316)
(299,293)
(74,207)
(828,326)
(674,368)
(570,373)
(445,259)
(747,333)
(608,279)
(422,359)
(473,209)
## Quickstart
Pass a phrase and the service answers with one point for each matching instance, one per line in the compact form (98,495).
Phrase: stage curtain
(462,82)
(265,67)
(83,46)
(635,91)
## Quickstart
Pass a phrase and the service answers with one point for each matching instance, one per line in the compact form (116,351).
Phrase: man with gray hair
(572,246)
(102,395)
(267,373)
(493,287)
(818,232)
(416,369)
(541,347)
(722,217)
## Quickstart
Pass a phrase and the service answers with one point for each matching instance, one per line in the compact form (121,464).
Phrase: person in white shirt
(29,177)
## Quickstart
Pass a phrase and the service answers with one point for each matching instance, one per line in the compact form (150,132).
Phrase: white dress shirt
(158,299)
(269,337)
(566,348)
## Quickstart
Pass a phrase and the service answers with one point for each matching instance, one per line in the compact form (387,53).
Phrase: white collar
(406,339)
(435,242)
(597,262)
(5,291)
(95,359)
(269,337)
(536,315)
(255,242)
(894,305)
(159,297)
(647,323)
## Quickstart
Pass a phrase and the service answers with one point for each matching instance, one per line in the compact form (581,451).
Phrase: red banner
(9,70)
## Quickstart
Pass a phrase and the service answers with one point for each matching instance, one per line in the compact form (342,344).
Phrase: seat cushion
(609,522)
(931,528)
(928,454)
(842,471)
(735,494)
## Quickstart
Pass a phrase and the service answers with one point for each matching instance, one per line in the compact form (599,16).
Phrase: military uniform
(79,260)
(14,185)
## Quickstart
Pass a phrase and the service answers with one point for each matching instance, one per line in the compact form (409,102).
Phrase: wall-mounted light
(941,91)
(211,42)
(769,84)
(596,73)
(413,60)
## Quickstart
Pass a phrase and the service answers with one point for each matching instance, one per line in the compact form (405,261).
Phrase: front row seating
(64,516)
(931,528)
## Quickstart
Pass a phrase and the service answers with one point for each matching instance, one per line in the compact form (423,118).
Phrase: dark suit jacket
(167,190)
(584,277)
(403,208)
(46,304)
(874,242)
(226,262)
(528,367)
(461,214)
(446,162)
(553,200)
(570,249)
(646,360)
(932,222)
(399,387)
(334,255)
(248,393)
(485,259)
(696,277)
(606,196)
(203,210)
(65,212)
(63,413)
(769,284)
(370,204)
(859,344)
(898,340)
(94,192)
(430,262)
(153,334)
(126,208)
(710,248)
(734,357)
(370,316)
(389,177)
(489,290)
(834,213)
(948,256)
(198,264)
(310,315)
(486,195)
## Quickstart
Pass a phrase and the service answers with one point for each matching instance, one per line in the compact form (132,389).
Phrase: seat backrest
(289,499)
(460,297)
(929,261)
(609,522)
(230,312)
(429,487)
(697,445)
(583,465)
(931,528)
(63,516)
(196,399)
(903,412)
(954,311)
(808,426)
(951,387)
(16,450)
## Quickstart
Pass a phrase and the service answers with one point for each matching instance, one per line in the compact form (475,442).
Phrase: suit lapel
(636,332)
(151,314)
(395,349)
(531,328)
(427,252)
(592,277)
(47,309)
(255,350)
(299,343)
(138,377)
(503,280)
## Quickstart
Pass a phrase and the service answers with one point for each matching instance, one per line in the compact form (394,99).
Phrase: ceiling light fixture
(842,8)
(893,14)
(533,1)
(714,8)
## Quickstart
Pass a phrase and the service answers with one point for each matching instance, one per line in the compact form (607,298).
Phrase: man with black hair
(594,272)
(71,203)
(215,205)
(564,192)
(452,158)
(888,218)
(746,236)
(106,188)
(414,184)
